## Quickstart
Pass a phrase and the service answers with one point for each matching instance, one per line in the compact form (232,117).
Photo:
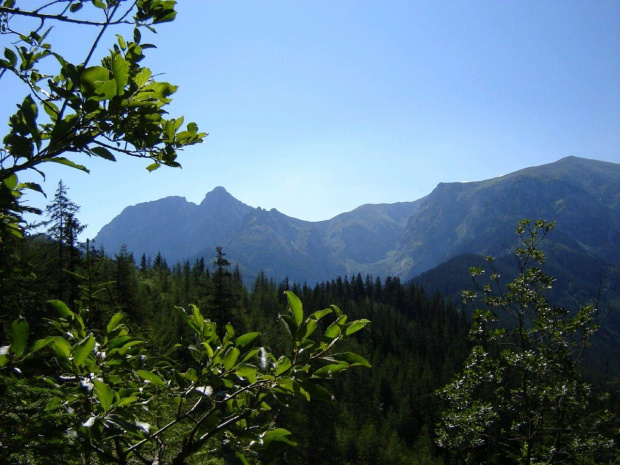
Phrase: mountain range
(403,239)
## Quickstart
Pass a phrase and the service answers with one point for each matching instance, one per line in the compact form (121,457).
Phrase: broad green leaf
(248,372)
(231,358)
(121,41)
(143,77)
(93,78)
(334,329)
(61,347)
(355,326)
(61,308)
(283,365)
(120,71)
(41,343)
(296,307)
(329,370)
(19,336)
(127,401)
(317,391)
(246,339)
(52,110)
(104,394)
(114,321)
(11,181)
(351,358)
(277,435)
(198,318)
(308,328)
(83,350)
(67,162)
(289,322)
(103,153)
(32,186)
(251,354)
(30,111)
(321,313)
(11,56)
(160,90)
(151,377)
(153,166)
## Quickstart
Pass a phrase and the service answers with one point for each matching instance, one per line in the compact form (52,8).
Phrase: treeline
(386,414)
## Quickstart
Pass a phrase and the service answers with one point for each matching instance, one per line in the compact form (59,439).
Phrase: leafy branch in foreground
(115,107)
(521,397)
(119,408)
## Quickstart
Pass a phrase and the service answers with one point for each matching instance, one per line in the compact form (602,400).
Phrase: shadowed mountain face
(480,217)
(402,239)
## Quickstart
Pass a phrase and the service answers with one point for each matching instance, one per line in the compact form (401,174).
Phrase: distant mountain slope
(402,239)
(175,227)
(480,217)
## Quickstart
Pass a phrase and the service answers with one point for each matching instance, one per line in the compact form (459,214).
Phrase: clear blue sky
(317,107)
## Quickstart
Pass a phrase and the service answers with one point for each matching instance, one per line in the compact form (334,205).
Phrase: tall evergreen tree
(222,292)
(64,228)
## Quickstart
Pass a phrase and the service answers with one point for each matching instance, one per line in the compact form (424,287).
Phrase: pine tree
(64,228)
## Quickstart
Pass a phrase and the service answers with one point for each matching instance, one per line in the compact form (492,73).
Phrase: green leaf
(231,357)
(83,350)
(321,313)
(32,186)
(121,41)
(61,347)
(104,394)
(277,435)
(19,335)
(329,370)
(151,377)
(310,327)
(153,166)
(351,358)
(355,326)
(61,308)
(246,339)
(198,319)
(52,110)
(248,372)
(334,329)
(103,153)
(10,55)
(143,77)
(67,162)
(114,321)
(296,307)
(317,391)
(41,343)
(289,322)
(120,71)
(93,78)
(283,365)
(11,181)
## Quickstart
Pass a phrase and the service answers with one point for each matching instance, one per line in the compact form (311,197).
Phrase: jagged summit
(402,239)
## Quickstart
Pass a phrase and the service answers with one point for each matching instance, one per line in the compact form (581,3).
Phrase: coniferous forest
(110,358)
(390,413)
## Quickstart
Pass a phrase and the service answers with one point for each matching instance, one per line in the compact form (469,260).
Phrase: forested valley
(385,414)
(416,344)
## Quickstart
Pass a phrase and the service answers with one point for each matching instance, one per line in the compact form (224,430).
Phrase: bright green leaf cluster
(104,110)
(230,392)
